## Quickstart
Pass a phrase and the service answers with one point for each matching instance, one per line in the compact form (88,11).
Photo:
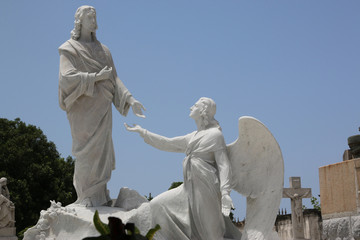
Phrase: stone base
(8,233)
(76,222)
(342,228)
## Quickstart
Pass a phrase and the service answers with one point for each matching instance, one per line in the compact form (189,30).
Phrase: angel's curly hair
(208,112)
(80,12)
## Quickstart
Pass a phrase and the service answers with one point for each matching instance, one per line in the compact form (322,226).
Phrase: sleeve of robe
(223,163)
(122,95)
(72,82)
(175,144)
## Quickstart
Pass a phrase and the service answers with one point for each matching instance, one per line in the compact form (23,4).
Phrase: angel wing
(258,173)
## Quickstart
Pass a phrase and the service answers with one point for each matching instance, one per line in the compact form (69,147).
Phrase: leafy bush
(116,230)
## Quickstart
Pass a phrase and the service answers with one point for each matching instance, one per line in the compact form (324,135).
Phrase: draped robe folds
(7,212)
(89,111)
(193,210)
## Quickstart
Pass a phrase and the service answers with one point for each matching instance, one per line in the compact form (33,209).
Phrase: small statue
(7,208)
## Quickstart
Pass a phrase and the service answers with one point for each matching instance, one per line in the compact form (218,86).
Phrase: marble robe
(7,212)
(88,105)
(193,210)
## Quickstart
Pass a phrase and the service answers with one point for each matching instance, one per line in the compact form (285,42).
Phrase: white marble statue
(252,165)
(88,86)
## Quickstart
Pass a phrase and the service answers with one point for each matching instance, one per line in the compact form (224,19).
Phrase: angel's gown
(193,210)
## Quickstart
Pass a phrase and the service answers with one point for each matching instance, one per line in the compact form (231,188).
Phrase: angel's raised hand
(134,128)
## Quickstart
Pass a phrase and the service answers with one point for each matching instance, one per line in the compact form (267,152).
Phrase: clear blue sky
(294,65)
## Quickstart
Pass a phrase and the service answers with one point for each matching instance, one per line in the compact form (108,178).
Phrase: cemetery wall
(312,225)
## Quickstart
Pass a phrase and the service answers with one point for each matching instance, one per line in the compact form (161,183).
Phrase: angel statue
(199,208)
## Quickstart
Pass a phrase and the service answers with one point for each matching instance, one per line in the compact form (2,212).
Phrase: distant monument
(340,195)
(7,213)
(296,194)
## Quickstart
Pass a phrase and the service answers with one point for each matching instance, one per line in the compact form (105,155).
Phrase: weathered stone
(8,238)
(354,144)
(7,213)
(338,189)
(347,155)
(312,225)
(356,228)
(296,194)
(343,228)
(8,231)
(129,199)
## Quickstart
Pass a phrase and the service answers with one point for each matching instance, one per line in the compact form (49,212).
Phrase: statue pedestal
(75,222)
(8,233)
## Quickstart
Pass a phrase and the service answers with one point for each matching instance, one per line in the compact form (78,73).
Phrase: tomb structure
(339,194)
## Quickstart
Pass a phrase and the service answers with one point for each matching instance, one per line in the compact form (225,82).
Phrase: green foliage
(315,203)
(175,185)
(21,233)
(152,232)
(35,171)
(101,227)
(149,198)
(116,230)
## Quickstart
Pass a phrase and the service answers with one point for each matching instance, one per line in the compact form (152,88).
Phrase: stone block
(339,185)
(129,199)
(344,228)
(347,155)
(7,232)
(8,238)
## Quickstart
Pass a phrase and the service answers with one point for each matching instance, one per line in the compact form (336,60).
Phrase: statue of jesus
(88,86)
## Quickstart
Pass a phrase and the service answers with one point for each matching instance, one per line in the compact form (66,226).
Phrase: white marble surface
(88,86)
(254,168)
(258,173)
(76,222)
(129,199)
(195,209)
(7,212)
(342,228)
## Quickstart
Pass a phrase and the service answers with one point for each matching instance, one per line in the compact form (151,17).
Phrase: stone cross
(296,194)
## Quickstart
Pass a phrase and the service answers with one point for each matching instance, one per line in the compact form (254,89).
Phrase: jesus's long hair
(80,12)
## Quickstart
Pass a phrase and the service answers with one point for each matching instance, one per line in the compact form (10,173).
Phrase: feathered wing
(258,173)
